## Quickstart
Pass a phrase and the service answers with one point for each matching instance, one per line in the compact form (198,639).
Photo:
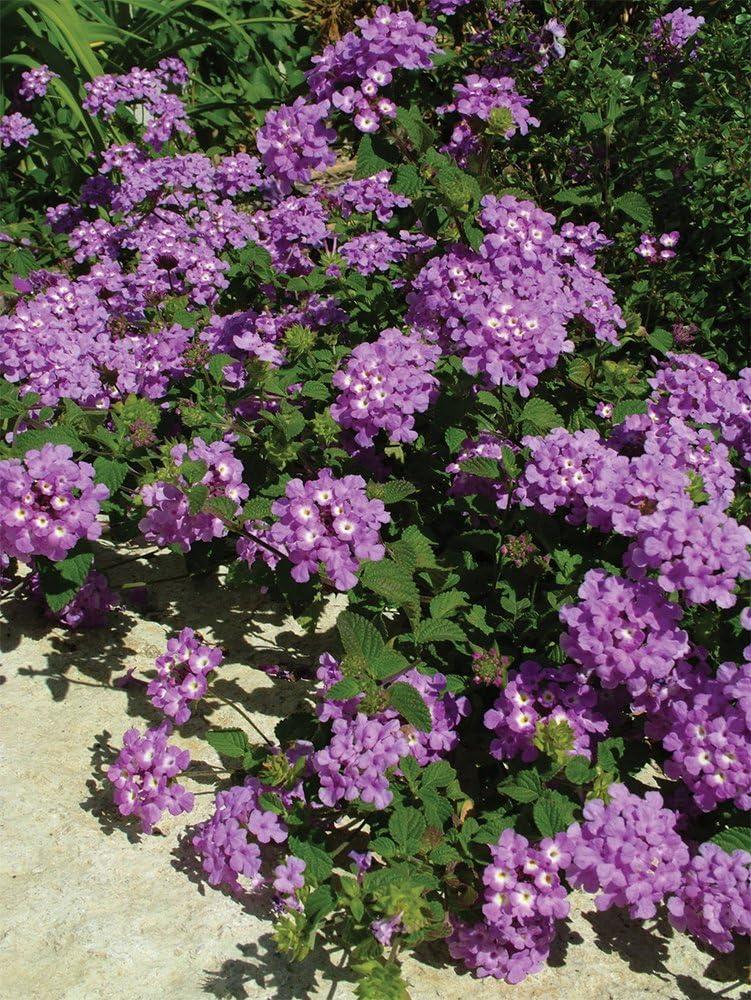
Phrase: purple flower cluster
(627,851)
(352,72)
(16,129)
(657,250)
(88,609)
(713,901)
(356,762)
(163,114)
(670,34)
(706,728)
(289,876)
(49,502)
(624,632)
(168,519)
(479,95)
(143,776)
(378,250)
(535,695)
(34,82)
(699,551)
(371,194)
(446,712)
(294,141)
(182,675)
(227,843)
(523,900)
(383,385)
(326,521)
(505,308)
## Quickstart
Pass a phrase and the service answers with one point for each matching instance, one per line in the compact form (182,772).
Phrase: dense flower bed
(415,385)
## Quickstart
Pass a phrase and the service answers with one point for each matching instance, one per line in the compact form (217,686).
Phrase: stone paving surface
(89,909)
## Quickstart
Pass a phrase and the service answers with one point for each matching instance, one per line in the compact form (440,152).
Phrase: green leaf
(523,787)
(436,807)
(447,604)
(197,496)
(318,864)
(422,546)
(315,390)
(579,771)
(486,468)
(418,132)
(228,742)
(217,364)
(552,813)
(37,439)
(392,582)
(257,508)
(409,703)
(384,846)
(221,506)
(370,161)
(627,407)
(391,492)
(111,473)
(344,689)
(407,181)
(62,580)
(407,826)
(437,775)
(388,664)
(361,640)
(438,630)
(542,415)
(578,196)
(735,838)
(661,340)
(636,207)
(193,470)
(609,753)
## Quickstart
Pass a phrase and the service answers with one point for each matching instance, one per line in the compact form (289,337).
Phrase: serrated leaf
(485,468)
(111,473)
(228,742)
(34,440)
(362,641)
(406,826)
(579,771)
(521,785)
(370,161)
(221,506)
(627,407)
(344,689)
(392,491)
(315,390)
(541,414)
(578,196)
(437,775)
(62,580)
(407,181)
(454,438)
(661,340)
(256,509)
(609,753)
(217,364)
(193,470)
(422,545)
(409,703)
(418,132)
(392,582)
(636,207)
(438,630)
(388,664)
(197,496)
(436,807)
(384,846)
(447,604)
(552,813)
(318,864)
(445,854)
(735,838)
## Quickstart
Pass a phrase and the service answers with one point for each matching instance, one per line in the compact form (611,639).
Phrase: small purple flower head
(713,901)
(182,675)
(34,82)
(16,130)
(294,141)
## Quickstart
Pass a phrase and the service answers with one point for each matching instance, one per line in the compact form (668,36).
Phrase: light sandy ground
(89,909)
